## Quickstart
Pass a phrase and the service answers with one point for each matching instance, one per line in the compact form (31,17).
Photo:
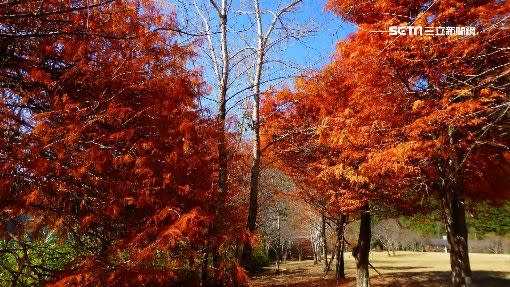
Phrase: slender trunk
(454,216)
(254,180)
(314,246)
(362,250)
(330,261)
(256,152)
(340,265)
(452,203)
(221,144)
(278,247)
(222,191)
(324,244)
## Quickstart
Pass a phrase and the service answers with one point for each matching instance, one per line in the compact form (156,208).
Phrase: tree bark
(362,250)
(454,216)
(324,244)
(451,198)
(278,248)
(256,152)
(315,249)
(255,176)
(340,264)
(221,142)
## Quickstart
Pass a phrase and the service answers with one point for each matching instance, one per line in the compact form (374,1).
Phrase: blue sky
(286,60)
(318,48)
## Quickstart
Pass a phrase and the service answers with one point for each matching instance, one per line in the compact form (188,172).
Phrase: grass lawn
(409,269)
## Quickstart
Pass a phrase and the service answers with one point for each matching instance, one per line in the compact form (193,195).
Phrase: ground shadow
(397,268)
(491,278)
(439,279)
(272,272)
(308,282)
(297,271)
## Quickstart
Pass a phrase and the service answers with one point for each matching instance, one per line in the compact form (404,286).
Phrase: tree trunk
(279,248)
(454,216)
(324,244)
(254,182)
(255,117)
(452,203)
(255,173)
(340,265)
(330,261)
(221,144)
(362,250)
(315,250)
(222,191)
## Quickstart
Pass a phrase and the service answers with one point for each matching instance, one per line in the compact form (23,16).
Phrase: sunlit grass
(413,269)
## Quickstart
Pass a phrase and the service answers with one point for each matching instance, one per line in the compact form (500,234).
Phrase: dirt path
(408,269)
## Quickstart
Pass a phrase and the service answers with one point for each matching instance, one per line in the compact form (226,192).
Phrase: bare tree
(221,67)
(324,242)
(241,40)
(316,237)
(282,224)
(389,233)
(263,46)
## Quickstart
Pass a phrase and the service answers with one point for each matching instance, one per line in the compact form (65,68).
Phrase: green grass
(409,269)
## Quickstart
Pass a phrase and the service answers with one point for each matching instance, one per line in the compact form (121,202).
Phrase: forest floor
(407,269)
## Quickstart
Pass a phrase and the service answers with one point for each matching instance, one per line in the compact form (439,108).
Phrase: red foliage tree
(410,118)
(454,99)
(102,138)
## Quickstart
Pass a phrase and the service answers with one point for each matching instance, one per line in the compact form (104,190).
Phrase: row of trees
(392,235)
(114,170)
(111,151)
(411,123)
(291,230)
